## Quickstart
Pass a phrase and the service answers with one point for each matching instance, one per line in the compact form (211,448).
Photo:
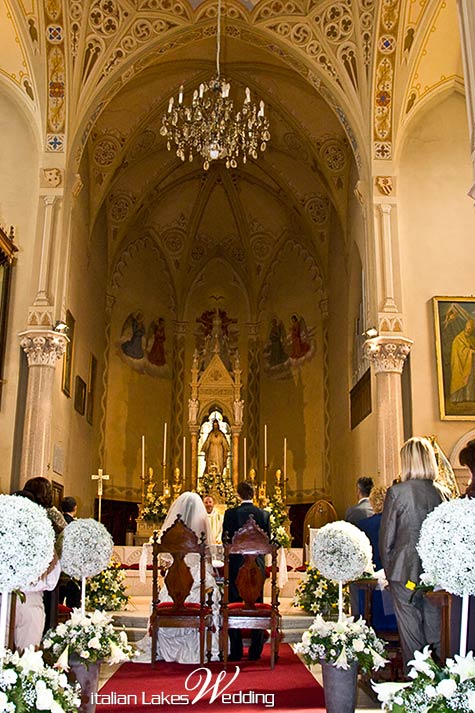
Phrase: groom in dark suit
(234,519)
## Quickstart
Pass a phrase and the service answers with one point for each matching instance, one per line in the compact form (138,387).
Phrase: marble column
(387,355)
(43,348)
(467,40)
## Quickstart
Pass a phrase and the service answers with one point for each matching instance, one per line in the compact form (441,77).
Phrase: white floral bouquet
(447,546)
(342,643)
(342,552)
(28,685)
(86,548)
(26,542)
(106,591)
(91,637)
(434,688)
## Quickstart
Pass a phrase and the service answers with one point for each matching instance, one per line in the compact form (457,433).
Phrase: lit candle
(261,109)
(245,457)
(248,96)
(143,457)
(180,95)
(165,443)
(202,89)
(170,105)
(265,444)
(285,458)
(184,457)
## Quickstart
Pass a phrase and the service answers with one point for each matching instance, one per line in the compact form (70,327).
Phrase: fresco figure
(156,354)
(462,363)
(276,351)
(298,337)
(132,334)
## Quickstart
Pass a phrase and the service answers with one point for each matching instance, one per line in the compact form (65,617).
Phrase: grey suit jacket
(359,512)
(406,506)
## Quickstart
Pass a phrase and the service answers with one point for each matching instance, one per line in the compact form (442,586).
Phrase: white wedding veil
(193,513)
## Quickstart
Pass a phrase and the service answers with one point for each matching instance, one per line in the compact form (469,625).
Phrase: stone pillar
(386,241)
(194,431)
(326,398)
(43,348)
(467,37)
(235,445)
(387,355)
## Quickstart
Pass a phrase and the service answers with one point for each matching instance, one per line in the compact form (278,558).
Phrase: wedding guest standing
(363,507)
(406,506)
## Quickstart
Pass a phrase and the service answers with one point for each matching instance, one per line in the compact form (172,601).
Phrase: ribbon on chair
(282,577)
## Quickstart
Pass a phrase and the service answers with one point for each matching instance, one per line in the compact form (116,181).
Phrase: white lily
(463,666)
(385,691)
(63,662)
(420,663)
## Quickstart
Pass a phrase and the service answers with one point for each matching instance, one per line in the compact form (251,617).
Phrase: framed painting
(68,355)
(455,351)
(80,395)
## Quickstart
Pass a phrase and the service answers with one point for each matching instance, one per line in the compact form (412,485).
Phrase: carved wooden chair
(179,541)
(250,542)
(321,513)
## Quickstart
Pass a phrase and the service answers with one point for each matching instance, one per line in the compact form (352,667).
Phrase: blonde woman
(406,506)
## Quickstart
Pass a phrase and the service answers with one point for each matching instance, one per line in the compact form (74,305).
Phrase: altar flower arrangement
(278,521)
(28,685)
(221,484)
(106,591)
(434,688)
(342,643)
(91,637)
(155,506)
(342,552)
(318,595)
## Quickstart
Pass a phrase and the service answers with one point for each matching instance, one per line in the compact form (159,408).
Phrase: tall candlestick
(143,458)
(285,458)
(265,444)
(245,458)
(184,457)
(165,443)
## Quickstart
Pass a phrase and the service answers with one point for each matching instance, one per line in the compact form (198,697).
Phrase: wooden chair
(321,513)
(179,541)
(250,542)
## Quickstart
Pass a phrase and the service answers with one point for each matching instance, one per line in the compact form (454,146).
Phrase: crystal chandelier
(210,127)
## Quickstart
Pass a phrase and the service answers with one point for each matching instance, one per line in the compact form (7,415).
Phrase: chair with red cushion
(179,541)
(250,542)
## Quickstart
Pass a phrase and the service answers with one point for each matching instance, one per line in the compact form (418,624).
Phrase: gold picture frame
(80,395)
(454,319)
(68,355)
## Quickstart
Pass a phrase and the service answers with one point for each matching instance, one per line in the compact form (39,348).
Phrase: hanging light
(210,127)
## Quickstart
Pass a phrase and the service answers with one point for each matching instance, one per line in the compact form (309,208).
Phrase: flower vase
(340,687)
(88,679)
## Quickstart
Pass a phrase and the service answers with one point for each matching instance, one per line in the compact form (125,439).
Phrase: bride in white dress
(182,645)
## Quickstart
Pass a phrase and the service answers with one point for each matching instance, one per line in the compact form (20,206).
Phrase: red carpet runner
(136,688)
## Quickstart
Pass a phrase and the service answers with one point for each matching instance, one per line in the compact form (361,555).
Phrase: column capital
(387,354)
(43,347)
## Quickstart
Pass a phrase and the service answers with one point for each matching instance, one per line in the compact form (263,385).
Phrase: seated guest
(406,506)
(69,508)
(362,509)
(181,645)
(215,519)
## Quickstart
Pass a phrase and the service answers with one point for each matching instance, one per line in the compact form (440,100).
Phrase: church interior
(308,298)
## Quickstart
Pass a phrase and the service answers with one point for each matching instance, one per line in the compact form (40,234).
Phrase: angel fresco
(144,349)
(286,350)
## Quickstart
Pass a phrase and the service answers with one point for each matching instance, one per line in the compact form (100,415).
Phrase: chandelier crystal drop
(211,127)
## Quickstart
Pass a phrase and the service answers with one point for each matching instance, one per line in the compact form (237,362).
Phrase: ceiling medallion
(210,127)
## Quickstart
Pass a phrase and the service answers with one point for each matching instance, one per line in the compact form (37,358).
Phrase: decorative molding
(387,354)
(43,347)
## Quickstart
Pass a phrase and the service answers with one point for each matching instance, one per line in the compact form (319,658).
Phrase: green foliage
(155,507)
(279,521)
(106,591)
(210,483)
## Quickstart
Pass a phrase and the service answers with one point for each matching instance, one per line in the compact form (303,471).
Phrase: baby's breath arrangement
(106,591)
(318,595)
